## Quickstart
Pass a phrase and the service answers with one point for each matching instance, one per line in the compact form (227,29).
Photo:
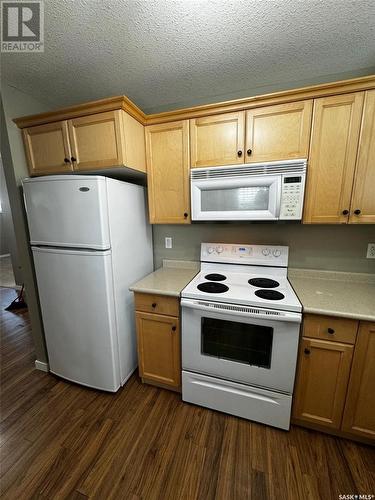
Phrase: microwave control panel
(292,192)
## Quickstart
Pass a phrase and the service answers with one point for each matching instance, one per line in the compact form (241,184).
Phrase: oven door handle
(242,311)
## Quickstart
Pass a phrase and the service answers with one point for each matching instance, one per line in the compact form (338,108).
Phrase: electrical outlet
(168,242)
(370,251)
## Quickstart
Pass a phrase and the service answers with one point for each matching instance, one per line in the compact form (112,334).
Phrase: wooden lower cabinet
(324,369)
(159,346)
(335,383)
(359,414)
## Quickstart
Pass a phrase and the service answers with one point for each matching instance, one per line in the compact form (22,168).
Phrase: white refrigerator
(90,240)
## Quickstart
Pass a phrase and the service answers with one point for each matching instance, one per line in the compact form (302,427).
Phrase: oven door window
(240,342)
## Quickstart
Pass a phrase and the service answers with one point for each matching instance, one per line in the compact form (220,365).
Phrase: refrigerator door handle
(70,251)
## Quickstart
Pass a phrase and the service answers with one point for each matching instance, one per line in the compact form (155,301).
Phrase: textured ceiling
(165,54)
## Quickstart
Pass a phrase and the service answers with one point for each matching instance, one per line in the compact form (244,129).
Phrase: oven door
(247,198)
(244,344)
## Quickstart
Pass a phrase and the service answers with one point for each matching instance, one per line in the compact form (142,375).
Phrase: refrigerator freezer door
(68,211)
(76,296)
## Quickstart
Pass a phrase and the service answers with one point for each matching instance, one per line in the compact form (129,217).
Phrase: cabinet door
(333,152)
(96,141)
(159,348)
(322,380)
(363,198)
(359,414)
(47,148)
(280,132)
(217,139)
(167,157)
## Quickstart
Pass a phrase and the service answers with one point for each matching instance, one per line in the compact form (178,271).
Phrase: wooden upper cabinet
(96,141)
(133,142)
(363,198)
(333,151)
(359,414)
(92,142)
(159,348)
(167,156)
(280,132)
(47,148)
(322,381)
(217,140)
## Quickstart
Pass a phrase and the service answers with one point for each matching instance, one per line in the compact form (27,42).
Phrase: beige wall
(16,103)
(341,248)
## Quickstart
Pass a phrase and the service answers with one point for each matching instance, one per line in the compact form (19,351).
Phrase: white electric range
(240,332)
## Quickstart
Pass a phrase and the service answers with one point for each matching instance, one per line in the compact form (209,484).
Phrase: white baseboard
(4,255)
(40,365)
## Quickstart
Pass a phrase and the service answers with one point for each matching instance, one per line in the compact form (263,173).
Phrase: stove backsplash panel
(324,247)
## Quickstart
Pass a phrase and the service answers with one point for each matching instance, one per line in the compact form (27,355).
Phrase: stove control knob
(219,249)
(210,250)
(265,252)
(276,253)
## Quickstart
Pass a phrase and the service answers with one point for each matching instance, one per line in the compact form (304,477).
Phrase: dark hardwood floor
(59,440)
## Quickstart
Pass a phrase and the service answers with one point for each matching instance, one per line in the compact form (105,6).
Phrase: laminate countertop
(170,279)
(348,295)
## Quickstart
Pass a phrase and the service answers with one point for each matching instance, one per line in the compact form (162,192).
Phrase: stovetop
(264,286)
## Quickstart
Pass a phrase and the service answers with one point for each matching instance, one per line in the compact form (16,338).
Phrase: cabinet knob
(307,351)
(357,211)
(153,305)
(239,153)
(66,160)
(73,159)
(249,151)
(186,215)
(330,330)
(174,328)
(345,212)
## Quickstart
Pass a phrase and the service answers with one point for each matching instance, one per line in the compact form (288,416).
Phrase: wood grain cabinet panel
(279,132)
(363,197)
(217,140)
(359,414)
(158,304)
(159,349)
(47,147)
(96,141)
(330,328)
(333,152)
(167,157)
(133,142)
(322,380)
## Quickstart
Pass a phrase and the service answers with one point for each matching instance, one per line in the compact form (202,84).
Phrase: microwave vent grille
(247,170)
(251,310)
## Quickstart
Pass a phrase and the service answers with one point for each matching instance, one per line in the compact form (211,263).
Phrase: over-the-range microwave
(256,191)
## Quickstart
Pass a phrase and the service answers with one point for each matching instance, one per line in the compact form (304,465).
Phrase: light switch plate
(168,242)
(370,251)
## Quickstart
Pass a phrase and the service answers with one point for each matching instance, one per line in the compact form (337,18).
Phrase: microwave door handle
(247,311)
(278,197)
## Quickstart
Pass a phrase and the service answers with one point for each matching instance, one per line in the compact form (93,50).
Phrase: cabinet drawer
(160,304)
(330,328)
